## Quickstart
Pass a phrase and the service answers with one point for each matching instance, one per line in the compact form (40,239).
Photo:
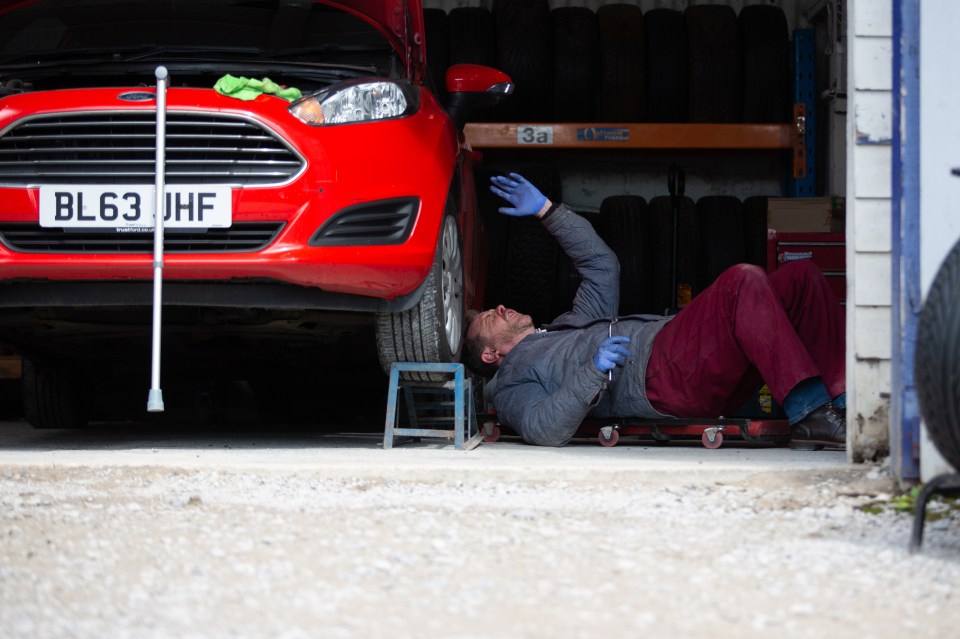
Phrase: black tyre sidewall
(765,56)
(688,248)
(627,227)
(668,93)
(720,220)
(437,28)
(713,37)
(937,359)
(52,397)
(472,39)
(576,63)
(755,230)
(623,64)
(418,334)
(524,53)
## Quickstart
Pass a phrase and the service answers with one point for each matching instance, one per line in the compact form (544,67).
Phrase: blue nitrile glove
(612,353)
(524,197)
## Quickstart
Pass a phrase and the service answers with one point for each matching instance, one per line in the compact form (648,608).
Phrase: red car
(289,222)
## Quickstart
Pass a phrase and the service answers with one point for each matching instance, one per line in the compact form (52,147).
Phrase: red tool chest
(827,250)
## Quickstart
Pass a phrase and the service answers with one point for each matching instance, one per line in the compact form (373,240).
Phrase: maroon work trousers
(745,329)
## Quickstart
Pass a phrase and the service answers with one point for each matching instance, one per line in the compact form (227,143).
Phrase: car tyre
(51,396)
(937,361)
(623,63)
(523,42)
(688,250)
(432,330)
(722,236)
(576,63)
(713,37)
(667,64)
(471,36)
(437,28)
(755,227)
(626,226)
(765,56)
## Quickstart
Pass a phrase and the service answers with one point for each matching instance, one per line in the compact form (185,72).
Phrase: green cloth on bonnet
(248,88)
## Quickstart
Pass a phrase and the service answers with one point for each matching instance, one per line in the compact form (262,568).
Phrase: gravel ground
(480,544)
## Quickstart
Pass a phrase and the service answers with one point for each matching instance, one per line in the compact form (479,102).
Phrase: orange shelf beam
(592,135)
(514,135)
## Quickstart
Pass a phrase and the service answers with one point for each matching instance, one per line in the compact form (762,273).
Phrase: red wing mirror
(476,78)
(474,86)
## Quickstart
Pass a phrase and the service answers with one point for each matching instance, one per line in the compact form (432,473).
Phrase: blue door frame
(906,296)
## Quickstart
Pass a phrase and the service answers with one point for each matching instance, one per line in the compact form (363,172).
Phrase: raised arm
(599,269)
(599,292)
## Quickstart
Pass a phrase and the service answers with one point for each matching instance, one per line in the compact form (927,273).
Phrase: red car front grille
(119,148)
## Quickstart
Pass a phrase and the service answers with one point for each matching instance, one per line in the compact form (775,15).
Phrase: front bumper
(346,167)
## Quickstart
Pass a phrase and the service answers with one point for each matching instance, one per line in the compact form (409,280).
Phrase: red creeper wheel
(608,441)
(712,439)
(492,434)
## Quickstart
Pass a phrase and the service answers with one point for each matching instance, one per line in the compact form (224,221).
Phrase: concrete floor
(267,530)
(361,452)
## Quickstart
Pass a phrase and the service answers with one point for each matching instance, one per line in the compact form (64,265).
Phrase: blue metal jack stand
(447,403)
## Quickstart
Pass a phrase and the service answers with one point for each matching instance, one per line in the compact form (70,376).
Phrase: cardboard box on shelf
(806,214)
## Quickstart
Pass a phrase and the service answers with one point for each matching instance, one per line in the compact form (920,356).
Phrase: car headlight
(357,101)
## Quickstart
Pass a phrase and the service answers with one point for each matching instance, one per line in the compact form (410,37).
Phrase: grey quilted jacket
(547,385)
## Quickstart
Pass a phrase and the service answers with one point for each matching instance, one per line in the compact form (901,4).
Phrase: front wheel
(52,396)
(432,330)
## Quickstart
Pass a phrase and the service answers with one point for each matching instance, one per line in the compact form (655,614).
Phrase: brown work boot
(825,426)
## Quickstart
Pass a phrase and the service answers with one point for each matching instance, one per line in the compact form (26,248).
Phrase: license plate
(132,207)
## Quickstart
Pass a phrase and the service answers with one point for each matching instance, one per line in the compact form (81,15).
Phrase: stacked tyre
(619,64)
(937,362)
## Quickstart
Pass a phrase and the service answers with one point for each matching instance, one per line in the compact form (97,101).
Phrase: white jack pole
(155,399)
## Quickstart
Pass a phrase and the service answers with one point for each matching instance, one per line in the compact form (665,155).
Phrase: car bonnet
(401,22)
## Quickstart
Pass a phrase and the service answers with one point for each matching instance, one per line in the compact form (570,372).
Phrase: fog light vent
(383,222)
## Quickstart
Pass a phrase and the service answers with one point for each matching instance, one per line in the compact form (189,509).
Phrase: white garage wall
(868,226)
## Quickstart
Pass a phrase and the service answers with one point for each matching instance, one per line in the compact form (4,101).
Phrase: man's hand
(612,353)
(524,197)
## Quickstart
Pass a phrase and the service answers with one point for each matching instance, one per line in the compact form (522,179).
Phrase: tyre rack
(614,136)
(798,135)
